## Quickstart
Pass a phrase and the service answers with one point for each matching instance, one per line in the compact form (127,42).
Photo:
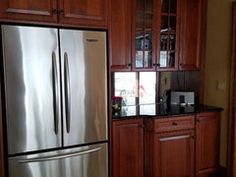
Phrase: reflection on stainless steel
(86,164)
(56,92)
(57,157)
(87,70)
(29,87)
(37,83)
(67,94)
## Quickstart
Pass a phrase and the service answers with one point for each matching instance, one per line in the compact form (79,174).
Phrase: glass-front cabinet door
(143,34)
(168,36)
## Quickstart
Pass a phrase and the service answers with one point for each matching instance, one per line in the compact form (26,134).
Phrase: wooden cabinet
(155,35)
(84,12)
(143,35)
(91,13)
(192,35)
(2,158)
(172,146)
(127,148)
(168,35)
(29,10)
(207,144)
(120,35)
(169,147)
(174,154)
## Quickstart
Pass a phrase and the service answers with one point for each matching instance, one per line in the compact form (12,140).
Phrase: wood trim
(2,171)
(204,8)
(231,154)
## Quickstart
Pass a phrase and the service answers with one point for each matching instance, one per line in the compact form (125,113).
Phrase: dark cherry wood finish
(90,13)
(231,157)
(174,154)
(145,22)
(176,33)
(2,169)
(127,147)
(29,10)
(85,13)
(169,147)
(120,35)
(207,144)
(190,36)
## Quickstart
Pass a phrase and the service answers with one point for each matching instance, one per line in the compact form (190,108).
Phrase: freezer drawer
(86,161)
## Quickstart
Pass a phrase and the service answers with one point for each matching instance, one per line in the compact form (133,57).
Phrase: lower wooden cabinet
(181,146)
(127,148)
(174,156)
(169,147)
(207,144)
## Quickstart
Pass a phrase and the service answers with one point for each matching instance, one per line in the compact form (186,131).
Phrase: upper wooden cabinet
(143,35)
(166,35)
(192,33)
(33,10)
(120,34)
(84,12)
(89,13)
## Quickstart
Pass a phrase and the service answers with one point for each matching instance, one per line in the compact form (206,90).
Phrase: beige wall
(218,51)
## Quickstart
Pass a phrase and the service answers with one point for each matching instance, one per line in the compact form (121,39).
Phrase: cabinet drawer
(174,123)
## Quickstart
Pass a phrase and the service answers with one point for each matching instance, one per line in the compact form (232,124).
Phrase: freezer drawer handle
(58,157)
(55,92)
(67,93)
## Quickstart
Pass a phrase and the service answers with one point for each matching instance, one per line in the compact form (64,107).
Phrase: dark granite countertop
(161,110)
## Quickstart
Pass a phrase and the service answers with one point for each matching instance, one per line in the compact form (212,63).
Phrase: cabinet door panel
(175,154)
(207,143)
(127,148)
(191,31)
(143,37)
(87,13)
(168,35)
(33,10)
(120,35)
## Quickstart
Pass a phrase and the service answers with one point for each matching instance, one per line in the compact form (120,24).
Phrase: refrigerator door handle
(67,93)
(55,93)
(58,157)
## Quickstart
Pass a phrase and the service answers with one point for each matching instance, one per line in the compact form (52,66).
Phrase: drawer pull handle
(174,123)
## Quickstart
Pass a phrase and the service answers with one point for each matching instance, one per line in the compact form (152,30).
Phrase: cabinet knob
(181,64)
(54,11)
(174,123)
(129,64)
(61,12)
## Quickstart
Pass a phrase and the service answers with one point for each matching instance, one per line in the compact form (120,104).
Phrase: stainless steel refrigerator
(55,84)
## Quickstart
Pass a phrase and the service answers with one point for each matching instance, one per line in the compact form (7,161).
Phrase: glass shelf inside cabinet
(143,34)
(168,33)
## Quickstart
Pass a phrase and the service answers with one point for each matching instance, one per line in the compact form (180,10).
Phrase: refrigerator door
(31,71)
(86,161)
(84,86)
